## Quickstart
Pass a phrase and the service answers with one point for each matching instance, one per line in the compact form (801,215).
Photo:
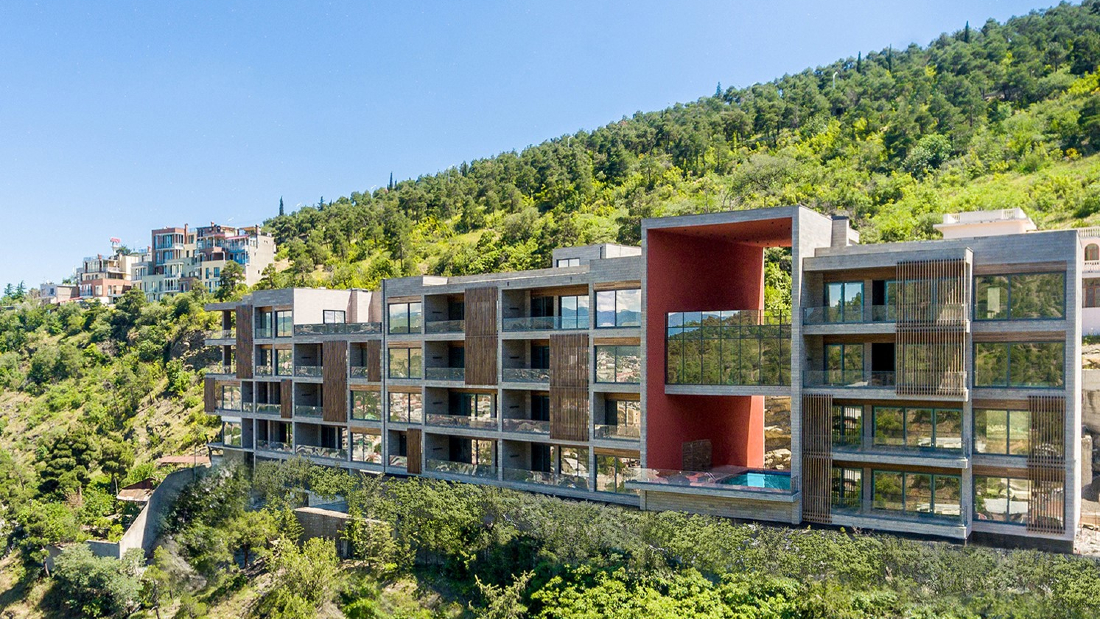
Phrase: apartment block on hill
(181,259)
(928,387)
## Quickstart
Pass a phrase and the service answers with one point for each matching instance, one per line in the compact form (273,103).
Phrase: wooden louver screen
(931,301)
(209,395)
(817,458)
(372,350)
(286,398)
(569,386)
(334,377)
(244,352)
(1046,464)
(414,442)
(481,336)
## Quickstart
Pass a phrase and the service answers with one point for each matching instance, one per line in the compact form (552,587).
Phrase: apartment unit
(926,387)
(50,293)
(105,278)
(184,259)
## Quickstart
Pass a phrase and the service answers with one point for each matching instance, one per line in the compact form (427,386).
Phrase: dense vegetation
(1005,115)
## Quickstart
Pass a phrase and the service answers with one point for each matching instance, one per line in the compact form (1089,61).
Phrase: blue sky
(119,117)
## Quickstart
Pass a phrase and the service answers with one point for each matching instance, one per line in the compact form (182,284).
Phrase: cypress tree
(281,206)
(859,62)
(966,33)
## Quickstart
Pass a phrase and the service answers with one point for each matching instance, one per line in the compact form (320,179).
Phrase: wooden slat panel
(817,458)
(697,455)
(1020,267)
(617,341)
(414,442)
(334,377)
(621,453)
(286,398)
(569,386)
(372,349)
(931,327)
(209,395)
(245,354)
(1046,465)
(481,336)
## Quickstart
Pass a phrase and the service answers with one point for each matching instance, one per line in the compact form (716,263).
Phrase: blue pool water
(777,481)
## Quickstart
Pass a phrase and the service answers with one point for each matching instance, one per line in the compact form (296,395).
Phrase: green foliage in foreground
(506,554)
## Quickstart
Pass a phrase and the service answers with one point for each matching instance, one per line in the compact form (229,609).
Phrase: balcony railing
(399,461)
(358,371)
(268,409)
(264,370)
(306,410)
(339,328)
(315,451)
(285,368)
(484,471)
(545,323)
(445,326)
(532,426)
(406,417)
(462,421)
(924,312)
(222,334)
(847,378)
(264,333)
(445,373)
(526,375)
(1091,266)
(618,431)
(229,406)
(767,482)
(911,382)
(221,368)
(274,446)
(313,371)
(542,478)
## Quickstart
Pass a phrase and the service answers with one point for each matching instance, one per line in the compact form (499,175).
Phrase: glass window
(889,425)
(405,317)
(612,473)
(568,262)
(917,493)
(284,323)
(991,297)
(1001,499)
(727,348)
(847,489)
(1092,251)
(844,301)
(574,312)
(1001,431)
(1020,364)
(921,428)
(619,308)
(333,317)
(847,425)
(623,413)
(573,461)
(366,405)
(230,398)
(889,493)
(231,434)
(406,363)
(366,447)
(618,364)
(284,362)
(1092,292)
(406,407)
(843,363)
(476,405)
(1020,296)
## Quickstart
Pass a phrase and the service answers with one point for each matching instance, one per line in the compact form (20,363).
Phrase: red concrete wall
(692,273)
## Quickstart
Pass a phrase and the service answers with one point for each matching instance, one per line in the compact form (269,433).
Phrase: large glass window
(475,405)
(612,473)
(847,489)
(847,425)
(1020,296)
(618,364)
(573,461)
(623,413)
(366,405)
(574,312)
(405,317)
(844,301)
(923,428)
(284,362)
(843,363)
(231,433)
(1001,499)
(998,431)
(406,363)
(728,348)
(284,323)
(1019,364)
(229,397)
(366,447)
(406,407)
(619,308)
(917,493)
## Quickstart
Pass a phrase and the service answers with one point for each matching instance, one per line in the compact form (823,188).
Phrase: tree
(116,458)
(92,586)
(250,532)
(304,579)
(281,213)
(231,278)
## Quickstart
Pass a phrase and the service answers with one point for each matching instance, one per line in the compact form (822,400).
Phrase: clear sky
(118,117)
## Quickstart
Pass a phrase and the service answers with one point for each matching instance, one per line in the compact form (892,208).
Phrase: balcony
(230,405)
(915,383)
(358,371)
(264,370)
(340,328)
(307,371)
(332,453)
(453,374)
(445,326)
(542,478)
(617,432)
(734,479)
(224,369)
(481,471)
(274,446)
(526,375)
(401,462)
(307,410)
(530,426)
(462,421)
(545,323)
(268,409)
(837,315)
(847,379)
(222,334)
(264,333)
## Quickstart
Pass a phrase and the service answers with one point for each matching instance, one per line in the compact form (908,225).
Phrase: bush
(94,586)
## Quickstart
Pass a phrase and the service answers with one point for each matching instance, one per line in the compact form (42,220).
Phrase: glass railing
(269,409)
(544,478)
(332,453)
(340,328)
(445,326)
(752,480)
(932,312)
(484,471)
(545,323)
(847,378)
(264,370)
(307,370)
(533,426)
(406,417)
(285,368)
(399,461)
(305,410)
(221,368)
(359,371)
(526,375)
(274,446)
(264,333)
(911,382)
(462,421)
(445,373)
(920,312)
(618,431)
(222,334)
(229,406)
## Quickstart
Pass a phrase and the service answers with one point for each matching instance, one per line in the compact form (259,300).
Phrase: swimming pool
(760,479)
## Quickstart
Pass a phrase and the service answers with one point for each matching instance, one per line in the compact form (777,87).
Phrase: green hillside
(997,116)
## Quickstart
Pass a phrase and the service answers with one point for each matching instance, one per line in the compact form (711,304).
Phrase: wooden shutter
(209,394)
(373,351)
(414,441)
(481,336)
(334,381)
(569,386)
(1046,464)
(245,354)
(932,301)
(817,458)
(286,398)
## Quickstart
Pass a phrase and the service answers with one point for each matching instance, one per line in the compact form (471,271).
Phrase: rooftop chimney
(840,232)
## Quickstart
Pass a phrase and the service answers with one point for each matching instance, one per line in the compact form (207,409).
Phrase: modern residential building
(105,278)
(50,293)
(182,259)
(922,387)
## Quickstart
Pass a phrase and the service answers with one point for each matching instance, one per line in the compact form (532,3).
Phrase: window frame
(617,354)
(1008,436)
(408,314)
(1008,380)
(618,309)
(905,421)
(395,354)
(1008,305)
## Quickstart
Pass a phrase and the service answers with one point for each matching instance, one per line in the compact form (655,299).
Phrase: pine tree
(966,33)
(390,186)
(718,91)
(859,62)
(281,206)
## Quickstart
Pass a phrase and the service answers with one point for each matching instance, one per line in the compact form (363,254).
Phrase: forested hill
(986,117)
